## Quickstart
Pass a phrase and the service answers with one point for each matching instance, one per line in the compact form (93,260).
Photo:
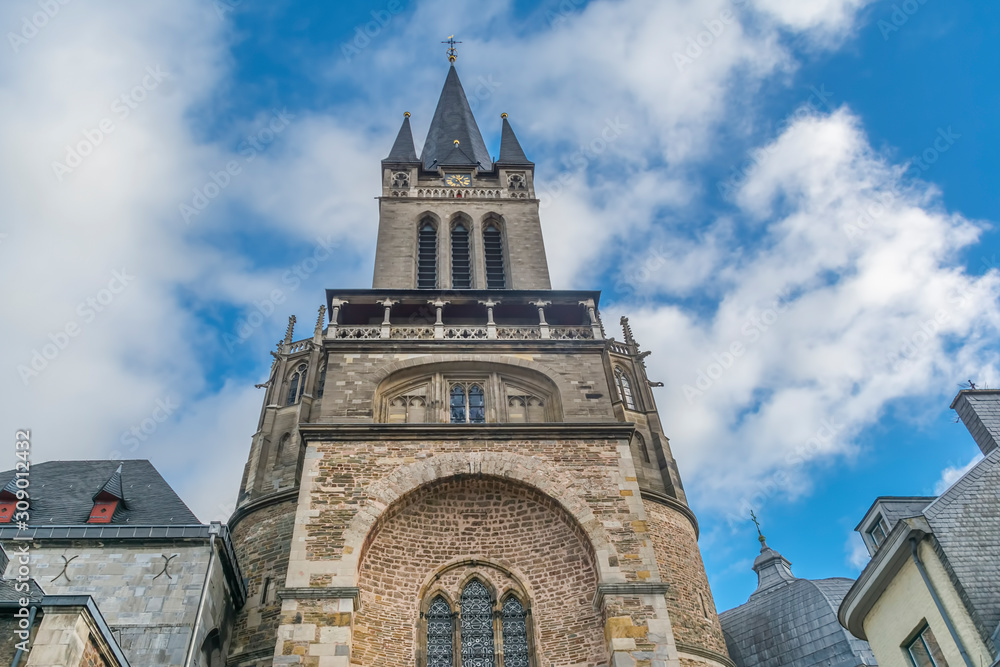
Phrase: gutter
(31,625)
(914,542)
(213,530)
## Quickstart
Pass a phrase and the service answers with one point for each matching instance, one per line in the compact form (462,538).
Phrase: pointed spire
(454,139)
(319,321)
(112,487)
(627,330)
(510,148)
(402,149)
(290,331)
(771,567)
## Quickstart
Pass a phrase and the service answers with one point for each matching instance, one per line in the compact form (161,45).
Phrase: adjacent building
(791,622)
(930,596)
(112,569)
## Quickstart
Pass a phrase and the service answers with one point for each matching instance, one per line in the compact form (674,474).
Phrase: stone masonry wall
(689,598)
(262,541)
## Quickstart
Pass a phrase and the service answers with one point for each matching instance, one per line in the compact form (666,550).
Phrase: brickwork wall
(262,541)
(681,566)
(469,518)
(92,657)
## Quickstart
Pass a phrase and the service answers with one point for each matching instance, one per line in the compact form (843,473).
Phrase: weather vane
(760,535)
(452,53)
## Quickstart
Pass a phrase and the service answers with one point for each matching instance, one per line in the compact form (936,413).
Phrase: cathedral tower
(458,466)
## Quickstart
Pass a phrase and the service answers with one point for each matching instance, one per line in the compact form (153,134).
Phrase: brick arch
(389,492)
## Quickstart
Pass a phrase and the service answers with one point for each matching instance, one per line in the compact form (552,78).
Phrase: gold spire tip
(456,142)
(503,115)
(406,114)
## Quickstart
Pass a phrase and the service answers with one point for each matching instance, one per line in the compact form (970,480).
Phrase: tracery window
(624,388)
(467,404)
(322,382)
(296,385)
(427,255)
(484,632)
(461,265)
(440,634)
(493,251)
(477,626)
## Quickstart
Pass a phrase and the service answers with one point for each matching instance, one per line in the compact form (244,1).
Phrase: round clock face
(457,180)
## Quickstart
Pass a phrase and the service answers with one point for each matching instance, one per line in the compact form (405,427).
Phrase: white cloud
(950,475)
(857,552)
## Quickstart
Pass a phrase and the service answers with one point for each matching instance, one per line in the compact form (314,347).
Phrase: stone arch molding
(436,359)
(529,471)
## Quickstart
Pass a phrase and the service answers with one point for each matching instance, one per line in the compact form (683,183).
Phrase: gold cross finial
(753,518)
(452,53)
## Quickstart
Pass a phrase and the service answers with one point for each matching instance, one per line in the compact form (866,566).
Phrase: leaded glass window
(427,256)
(440,634)
(624,388)
(461,266)
(322,382)
(477,626)
(296,385)
(515,633)
(467,404)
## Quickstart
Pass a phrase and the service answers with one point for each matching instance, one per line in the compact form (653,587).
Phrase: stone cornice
(260,503)
(629,589)
(312,433)
(674,504)
(315,593)
(705,653)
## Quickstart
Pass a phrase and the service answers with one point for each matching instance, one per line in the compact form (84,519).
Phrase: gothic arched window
(440,634)
(427,255)
(642,447)
(493,251)
(514,629)
(461,266)
(477,626)
(624,388)
(322,382)
(296,385)
(467,404)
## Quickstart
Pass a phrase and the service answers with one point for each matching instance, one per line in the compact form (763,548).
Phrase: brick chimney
(979,410)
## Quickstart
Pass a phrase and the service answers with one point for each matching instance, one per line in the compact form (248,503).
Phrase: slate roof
(402,149)
(453,119)
(62,493)
(510,148)
(979,410)
(966,522)
(791,622)
(8,592)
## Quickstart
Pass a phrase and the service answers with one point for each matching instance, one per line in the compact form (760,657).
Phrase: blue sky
(727,208)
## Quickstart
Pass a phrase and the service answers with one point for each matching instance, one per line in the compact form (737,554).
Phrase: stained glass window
(515,633)
(477,626)
(293,390)
(440,633)
(477,405)
(322,382)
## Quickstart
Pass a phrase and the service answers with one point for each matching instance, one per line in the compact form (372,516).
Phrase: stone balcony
(463,315)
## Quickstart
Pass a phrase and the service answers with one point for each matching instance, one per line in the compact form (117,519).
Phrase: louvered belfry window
(493,250)
(440,632)
(427,256)
(461,266)
(477,626)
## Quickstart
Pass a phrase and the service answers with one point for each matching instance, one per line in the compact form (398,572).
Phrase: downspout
(937,602)
(31,624)
(204,593)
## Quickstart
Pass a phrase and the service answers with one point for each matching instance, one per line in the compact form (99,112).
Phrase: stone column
(438,323)
(386,329)
(335,305)
(491,326)
(595,325)
(542,324)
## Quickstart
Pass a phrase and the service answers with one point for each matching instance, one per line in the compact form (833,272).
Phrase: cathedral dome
(791,622)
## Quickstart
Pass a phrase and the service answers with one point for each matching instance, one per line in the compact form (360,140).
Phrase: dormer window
(103,511)
(7,508)
(878,531)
